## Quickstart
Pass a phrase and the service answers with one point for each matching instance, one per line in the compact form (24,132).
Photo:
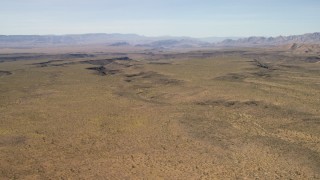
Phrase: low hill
(303,48)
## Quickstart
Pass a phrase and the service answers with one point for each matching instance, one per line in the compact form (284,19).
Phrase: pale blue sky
(197,18)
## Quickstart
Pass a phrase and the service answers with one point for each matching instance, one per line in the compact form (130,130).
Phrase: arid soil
(228,114)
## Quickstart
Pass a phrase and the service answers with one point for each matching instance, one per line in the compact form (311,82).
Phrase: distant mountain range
(310,38)
(78,39)
(115,40)
(177,43)
(16,41)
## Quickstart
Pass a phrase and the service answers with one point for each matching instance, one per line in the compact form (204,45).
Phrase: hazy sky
(198,18)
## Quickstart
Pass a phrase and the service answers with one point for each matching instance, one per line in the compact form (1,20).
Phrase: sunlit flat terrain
(192,115)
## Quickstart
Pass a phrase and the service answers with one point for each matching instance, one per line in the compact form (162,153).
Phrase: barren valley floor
(193,115)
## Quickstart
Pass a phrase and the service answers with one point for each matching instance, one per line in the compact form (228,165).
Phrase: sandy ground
(205,116)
